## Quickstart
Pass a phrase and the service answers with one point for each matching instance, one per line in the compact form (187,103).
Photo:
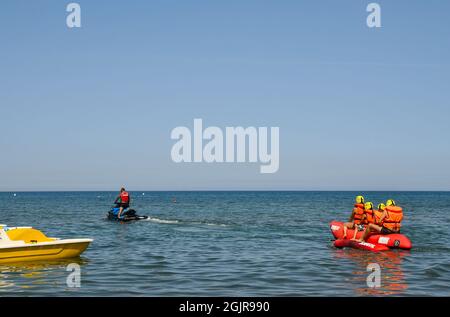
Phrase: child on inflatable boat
(357,218)
(385,220)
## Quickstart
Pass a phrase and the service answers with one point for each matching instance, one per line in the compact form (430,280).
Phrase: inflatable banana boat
(344,243)
(375,242)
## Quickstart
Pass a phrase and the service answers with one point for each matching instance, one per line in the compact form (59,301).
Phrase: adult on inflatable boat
(387,220)
(357,218)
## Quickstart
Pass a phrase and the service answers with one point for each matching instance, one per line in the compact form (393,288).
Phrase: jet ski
(127,214)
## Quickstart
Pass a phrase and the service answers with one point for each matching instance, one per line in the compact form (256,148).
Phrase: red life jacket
(124,197)
(358,213)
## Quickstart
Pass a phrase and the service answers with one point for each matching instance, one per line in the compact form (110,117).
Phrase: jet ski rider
(122,201)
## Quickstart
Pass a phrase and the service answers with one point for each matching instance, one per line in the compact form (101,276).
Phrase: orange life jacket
(377,215)
(358,213)
(370,218)
(394,217)
(124,197)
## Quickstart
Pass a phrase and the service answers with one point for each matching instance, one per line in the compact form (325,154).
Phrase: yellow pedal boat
(19,244)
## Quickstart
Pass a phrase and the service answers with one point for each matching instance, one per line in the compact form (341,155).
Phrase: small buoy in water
(14,195)
(143,194)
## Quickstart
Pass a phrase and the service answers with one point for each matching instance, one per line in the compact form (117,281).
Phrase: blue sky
(92,108)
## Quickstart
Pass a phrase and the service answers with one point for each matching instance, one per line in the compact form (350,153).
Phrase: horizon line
(229,190)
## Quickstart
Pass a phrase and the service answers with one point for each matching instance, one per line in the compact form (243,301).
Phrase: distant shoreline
(227,190)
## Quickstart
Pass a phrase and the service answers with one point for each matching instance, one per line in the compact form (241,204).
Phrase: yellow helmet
(359,200)
(381,206)
(368,206)
(390,202)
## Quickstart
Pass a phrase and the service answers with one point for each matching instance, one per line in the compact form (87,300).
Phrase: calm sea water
(227,244)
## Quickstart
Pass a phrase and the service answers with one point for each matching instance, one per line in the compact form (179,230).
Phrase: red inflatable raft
(342,243)
(393,241)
